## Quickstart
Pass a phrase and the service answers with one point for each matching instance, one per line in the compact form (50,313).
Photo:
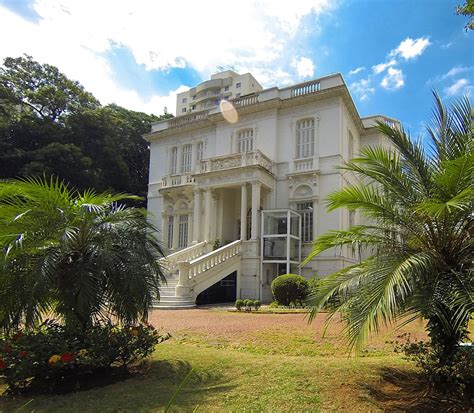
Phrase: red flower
(23,354)
(2,364)
(67,357)
(17,336)
(7,349)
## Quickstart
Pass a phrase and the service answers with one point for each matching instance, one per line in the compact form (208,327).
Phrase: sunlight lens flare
(228,111)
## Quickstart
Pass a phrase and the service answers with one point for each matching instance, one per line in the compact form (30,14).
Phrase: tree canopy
(50,125)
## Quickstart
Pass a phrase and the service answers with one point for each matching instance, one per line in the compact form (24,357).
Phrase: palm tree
(418,242)
(78,256)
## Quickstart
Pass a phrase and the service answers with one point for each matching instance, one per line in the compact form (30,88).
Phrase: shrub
(257,304)
(290,288)
(52,356)
(239,304)
(453,376)
(248,304)
(274,304)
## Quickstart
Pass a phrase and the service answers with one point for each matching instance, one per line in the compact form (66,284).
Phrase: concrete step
(174,305)
(170,289)
(174,299)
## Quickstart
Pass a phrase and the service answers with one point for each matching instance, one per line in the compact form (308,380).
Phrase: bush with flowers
(53,358)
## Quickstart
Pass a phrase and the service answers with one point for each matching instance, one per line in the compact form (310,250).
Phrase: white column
(243,212)
(207,214)
(315,218)
(214,223)
(175,231)
(255,209)
(164,230)
(197,217)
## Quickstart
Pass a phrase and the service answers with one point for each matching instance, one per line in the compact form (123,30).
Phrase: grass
(270,370)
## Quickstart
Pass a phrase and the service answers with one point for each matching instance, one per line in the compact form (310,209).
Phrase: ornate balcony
(176,180)
(236,160)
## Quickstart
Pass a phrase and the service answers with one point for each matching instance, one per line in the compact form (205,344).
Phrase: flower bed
(53,358)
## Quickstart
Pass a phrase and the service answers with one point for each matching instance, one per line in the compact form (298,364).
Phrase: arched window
(304,206)
(305,138)
(245,140)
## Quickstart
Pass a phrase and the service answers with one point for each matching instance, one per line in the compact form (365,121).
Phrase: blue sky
(139,54)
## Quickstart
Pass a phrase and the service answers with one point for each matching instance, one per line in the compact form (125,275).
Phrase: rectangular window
(237,85)
(184,100)
(305,138)
(183,231)
(174,161)
(186,160)
(226,88)
(170,231)
(183,110)
(305,209)
(237,95)
(199,151)
(245,140)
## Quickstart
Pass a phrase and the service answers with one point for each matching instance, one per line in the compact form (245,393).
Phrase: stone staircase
(194,269)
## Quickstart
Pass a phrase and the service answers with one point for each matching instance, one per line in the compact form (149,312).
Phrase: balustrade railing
(303,165)
(171,261)
(302,89)
(187,119)
(305,88)
(191,270)
(245,101)
(176,180)
(236,160)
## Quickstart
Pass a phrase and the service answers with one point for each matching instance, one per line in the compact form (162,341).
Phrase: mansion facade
(238,190)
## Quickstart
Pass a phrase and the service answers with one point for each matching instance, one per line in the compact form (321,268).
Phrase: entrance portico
(229,195)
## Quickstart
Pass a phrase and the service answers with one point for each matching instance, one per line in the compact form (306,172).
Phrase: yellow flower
(82,352)
(54,359)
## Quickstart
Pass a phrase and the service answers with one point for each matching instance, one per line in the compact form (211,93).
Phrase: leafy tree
(75,255)
(467,9)
(49,125)
(41,89)
(419,241)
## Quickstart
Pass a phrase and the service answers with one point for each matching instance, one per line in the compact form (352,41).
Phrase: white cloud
(393,80)
(455,71)
(304,67)
(363,88)
(356,70)
(382,66)
(410,48)
(76,35)
(460,87)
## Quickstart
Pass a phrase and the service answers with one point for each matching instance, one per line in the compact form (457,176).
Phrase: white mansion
(238,189)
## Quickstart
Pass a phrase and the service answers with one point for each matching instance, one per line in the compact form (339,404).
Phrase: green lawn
(266,369)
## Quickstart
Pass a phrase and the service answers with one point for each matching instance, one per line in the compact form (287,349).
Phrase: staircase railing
(187,254)
(189,271)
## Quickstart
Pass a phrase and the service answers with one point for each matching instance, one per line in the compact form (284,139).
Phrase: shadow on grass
(409,391)
(148,388)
